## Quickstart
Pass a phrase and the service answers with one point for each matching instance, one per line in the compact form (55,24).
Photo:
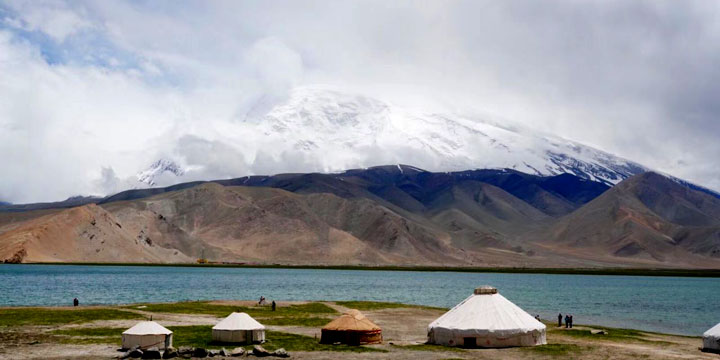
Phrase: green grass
(294,342)
(296,321)
(42,316)
(429,347)
(378,305)
(195,336)
(204,307)
(201,336)
(83,336)
(310,314)
(103,331)
(555,349)
(90,340)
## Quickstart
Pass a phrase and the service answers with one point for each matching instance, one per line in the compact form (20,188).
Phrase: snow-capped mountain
(159,168)
(332,130)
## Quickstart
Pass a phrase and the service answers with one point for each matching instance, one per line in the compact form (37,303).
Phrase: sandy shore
(401,327)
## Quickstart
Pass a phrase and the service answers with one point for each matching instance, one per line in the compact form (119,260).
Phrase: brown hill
(81,234)
(648,219)
(414,219)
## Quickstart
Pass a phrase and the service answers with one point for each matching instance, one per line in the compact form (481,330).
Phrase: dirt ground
(401,327)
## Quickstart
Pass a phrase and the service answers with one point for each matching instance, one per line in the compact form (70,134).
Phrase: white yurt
(486,319)
(238,328)
(711,339)
(147,334)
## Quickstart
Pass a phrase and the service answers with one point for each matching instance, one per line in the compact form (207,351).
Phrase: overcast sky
(91,91)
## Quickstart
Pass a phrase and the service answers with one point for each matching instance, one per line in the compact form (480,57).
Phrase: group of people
(568,321)
(264,302)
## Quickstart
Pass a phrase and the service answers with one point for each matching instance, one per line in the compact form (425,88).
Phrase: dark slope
(403,186)
(411,188)
(415,190)
(67,203)
(648,217)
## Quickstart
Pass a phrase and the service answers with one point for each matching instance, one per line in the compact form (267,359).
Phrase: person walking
(560,320)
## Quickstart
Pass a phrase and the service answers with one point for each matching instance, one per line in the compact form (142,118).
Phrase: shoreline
(548,322)
(90,332)
(656,272)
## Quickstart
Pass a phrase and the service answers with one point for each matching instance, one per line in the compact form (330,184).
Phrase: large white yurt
(238,328)
(486,319)
(711,339)
(147,334)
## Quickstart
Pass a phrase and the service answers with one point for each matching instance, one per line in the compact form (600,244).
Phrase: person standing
(560,320)
(571,321)
(273,305)
(567,321)
(76,302)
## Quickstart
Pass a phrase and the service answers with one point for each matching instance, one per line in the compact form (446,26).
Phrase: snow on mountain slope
(159,168)
(338,130)
(319,129)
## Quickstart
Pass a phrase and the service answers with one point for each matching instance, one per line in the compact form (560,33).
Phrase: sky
(91,92)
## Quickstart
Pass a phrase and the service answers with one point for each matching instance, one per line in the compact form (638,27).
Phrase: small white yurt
(711,339)
(238,328)
(147,334)
(486,319)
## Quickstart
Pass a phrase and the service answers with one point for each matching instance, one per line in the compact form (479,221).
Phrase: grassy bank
(379,305)
(96,331)
(201,336)
(512,270)
(310,314)
(43,316)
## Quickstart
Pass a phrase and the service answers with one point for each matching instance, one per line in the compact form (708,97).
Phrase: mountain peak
(158,168)
(340,130)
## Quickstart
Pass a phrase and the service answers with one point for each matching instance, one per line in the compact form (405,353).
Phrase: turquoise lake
(677,305)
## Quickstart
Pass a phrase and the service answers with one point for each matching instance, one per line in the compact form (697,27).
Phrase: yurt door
(470,342)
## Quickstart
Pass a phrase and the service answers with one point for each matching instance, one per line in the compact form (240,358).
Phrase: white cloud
(278,67)
(52,17)
(638,79)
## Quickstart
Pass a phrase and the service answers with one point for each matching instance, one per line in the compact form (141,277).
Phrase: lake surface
(666,304)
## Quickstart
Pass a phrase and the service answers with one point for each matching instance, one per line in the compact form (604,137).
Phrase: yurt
(351,328)
(486,319)
(238,328)
(711,339)
(147,334)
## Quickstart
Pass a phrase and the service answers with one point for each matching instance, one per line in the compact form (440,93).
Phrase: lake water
(666,304)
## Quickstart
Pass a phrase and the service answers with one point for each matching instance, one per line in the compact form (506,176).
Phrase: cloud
(90,87)
(278,67)
(54,18)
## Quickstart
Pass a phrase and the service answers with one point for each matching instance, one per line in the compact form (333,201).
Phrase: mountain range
(530,199)
(385,215)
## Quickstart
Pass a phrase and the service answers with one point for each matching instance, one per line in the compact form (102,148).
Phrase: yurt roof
(353,320)
(238,321)
(488,311)
(713,331)
(147,328)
